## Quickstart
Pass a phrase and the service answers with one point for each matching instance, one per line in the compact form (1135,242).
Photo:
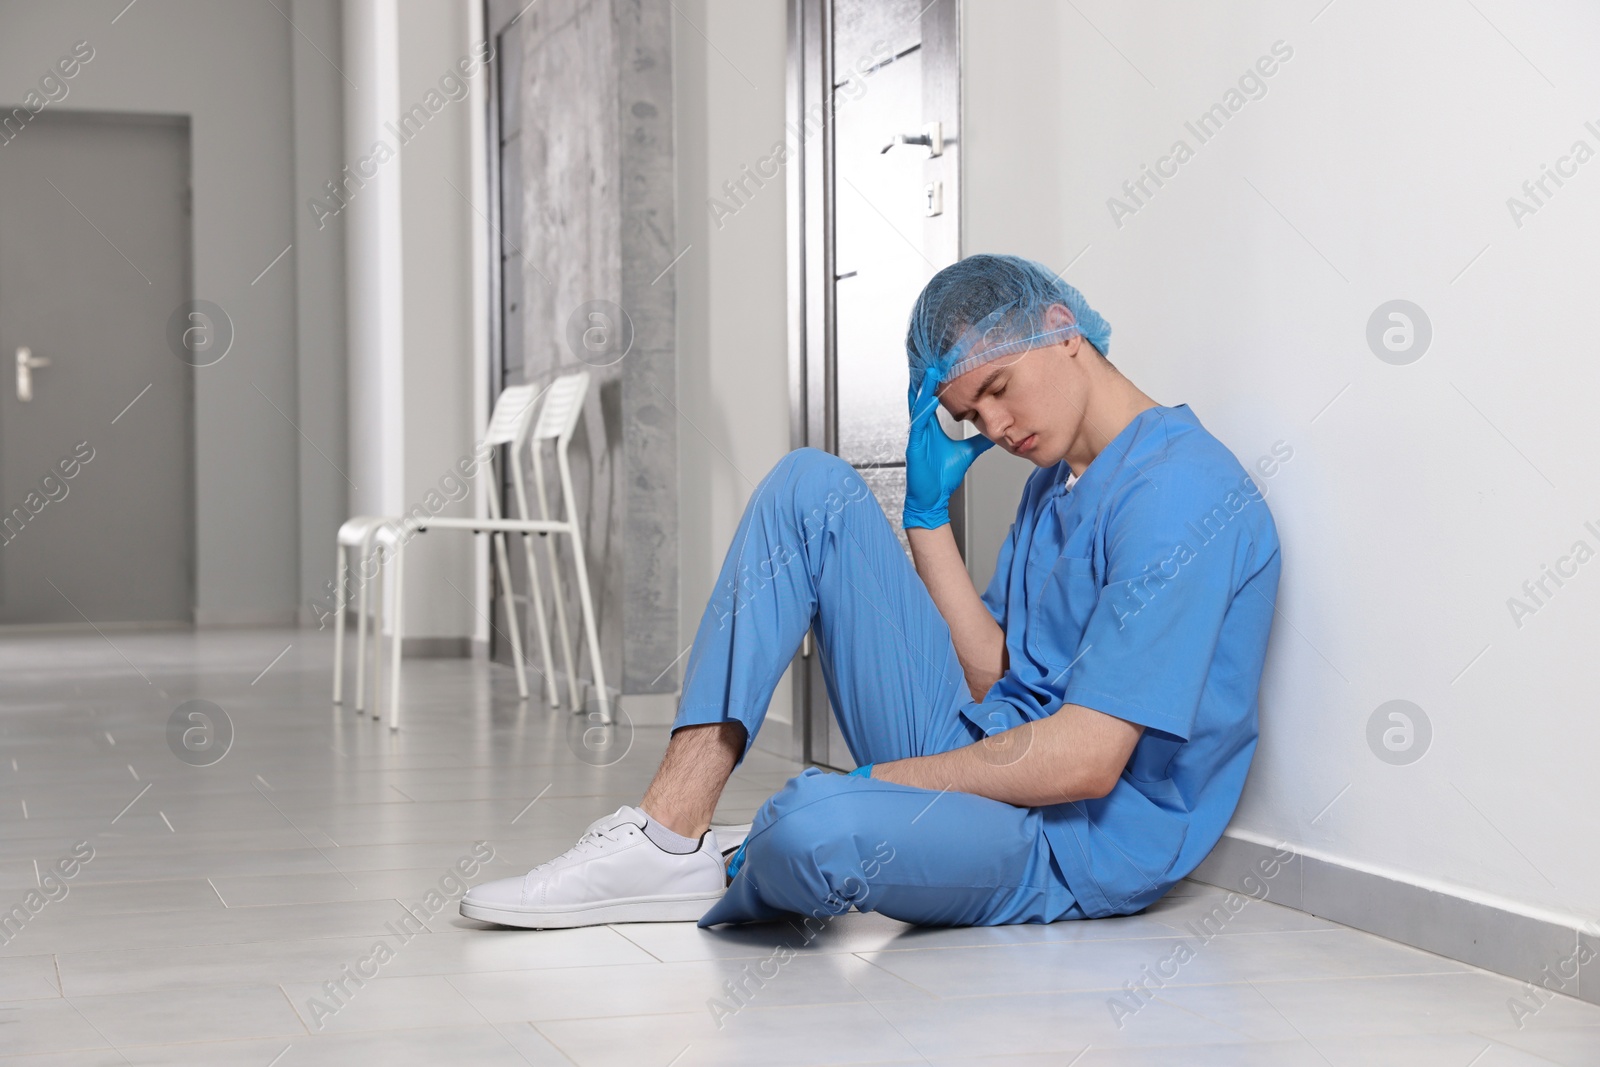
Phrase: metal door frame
(813,369)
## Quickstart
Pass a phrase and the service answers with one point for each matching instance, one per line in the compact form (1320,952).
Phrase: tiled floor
(227,907)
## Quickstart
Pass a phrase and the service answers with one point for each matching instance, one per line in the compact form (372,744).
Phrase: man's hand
(935,462)
(1075,754)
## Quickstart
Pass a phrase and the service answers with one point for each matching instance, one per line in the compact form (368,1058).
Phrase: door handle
(26,361)
(931,138)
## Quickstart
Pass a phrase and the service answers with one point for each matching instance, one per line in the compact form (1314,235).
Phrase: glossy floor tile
(223,902)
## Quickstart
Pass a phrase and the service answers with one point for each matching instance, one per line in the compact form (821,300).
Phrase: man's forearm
(989,768)
(1076,754)
(980,643)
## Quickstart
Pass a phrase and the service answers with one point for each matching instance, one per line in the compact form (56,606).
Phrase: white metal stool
(379,540)
(558,419)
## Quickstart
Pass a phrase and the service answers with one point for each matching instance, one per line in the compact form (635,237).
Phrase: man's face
(1030,404)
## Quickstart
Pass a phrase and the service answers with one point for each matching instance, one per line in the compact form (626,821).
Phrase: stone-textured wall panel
(649,374)
(598,225)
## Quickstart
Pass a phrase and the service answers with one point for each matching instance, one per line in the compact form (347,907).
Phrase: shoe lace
(592,840)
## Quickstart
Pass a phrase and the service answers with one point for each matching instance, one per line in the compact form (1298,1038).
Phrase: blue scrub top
(1143,589)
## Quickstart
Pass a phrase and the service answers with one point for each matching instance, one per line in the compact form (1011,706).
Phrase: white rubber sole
(687,908)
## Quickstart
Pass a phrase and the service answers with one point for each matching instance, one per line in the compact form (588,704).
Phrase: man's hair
(984,306)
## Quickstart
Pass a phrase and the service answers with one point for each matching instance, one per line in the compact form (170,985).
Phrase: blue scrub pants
(814,550)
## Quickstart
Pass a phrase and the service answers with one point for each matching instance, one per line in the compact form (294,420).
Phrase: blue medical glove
(935,462)
(737,861)
(863,771)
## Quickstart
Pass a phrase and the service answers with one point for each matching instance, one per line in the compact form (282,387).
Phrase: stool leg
(398,602)
(541,623)
(590,632)
(503,563)
(363,558)
(556,592)
(340,563)
(378,603)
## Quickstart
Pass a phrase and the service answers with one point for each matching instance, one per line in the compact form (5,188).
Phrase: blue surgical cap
(987,306)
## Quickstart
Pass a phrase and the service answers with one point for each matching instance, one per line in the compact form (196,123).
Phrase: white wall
(367,202)
(228,66)
(437,178)
(413,312)
(733,371)
(1420,497)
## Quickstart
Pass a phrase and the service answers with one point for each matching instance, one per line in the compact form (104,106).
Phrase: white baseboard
(24,629)
(649,709)
(436,647)
(1558,956)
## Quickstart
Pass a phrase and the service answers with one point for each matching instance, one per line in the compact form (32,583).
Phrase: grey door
(95,455)
(877,216)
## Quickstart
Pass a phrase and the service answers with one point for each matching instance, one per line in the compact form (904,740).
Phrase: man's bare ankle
(699,759)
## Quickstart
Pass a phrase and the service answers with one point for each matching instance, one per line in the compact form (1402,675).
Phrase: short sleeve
(1174,559)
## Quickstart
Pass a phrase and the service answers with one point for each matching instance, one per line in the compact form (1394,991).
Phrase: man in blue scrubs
(1069,744)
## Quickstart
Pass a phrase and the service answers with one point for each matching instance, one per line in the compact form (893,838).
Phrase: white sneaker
(613,874)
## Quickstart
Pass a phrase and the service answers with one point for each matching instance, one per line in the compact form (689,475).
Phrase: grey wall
(318,261)
(232,68)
